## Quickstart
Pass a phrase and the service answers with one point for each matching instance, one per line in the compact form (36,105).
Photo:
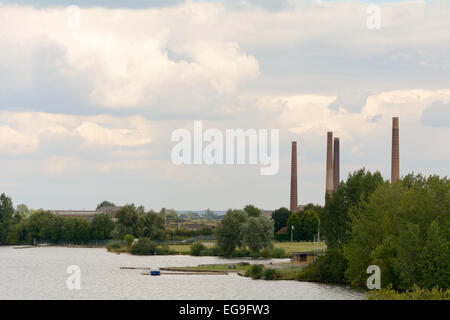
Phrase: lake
(41,273)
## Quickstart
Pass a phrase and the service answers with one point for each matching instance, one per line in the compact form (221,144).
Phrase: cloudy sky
(87,110)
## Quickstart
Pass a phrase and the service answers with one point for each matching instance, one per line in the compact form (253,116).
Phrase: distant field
(287,246)
(300,246)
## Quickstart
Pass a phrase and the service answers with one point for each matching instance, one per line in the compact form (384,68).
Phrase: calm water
(40,273)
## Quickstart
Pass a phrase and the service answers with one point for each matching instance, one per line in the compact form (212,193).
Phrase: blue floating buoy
(155,273)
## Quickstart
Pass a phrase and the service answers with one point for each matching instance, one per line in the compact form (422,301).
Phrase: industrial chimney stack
(336,166)
(294,203)
(329,185)
(395,165)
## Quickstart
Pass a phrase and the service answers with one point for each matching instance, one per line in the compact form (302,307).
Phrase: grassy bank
(185,249)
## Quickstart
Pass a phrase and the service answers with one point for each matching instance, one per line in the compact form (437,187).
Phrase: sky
(88,105)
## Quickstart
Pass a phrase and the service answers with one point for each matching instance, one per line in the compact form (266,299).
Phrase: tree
(127,221)
(6,216)
(309,222)
(129,239)
(104,204)
(82,230)
(257,233)
(280,218)
(252,211)
(405,230)
(102,227)
(349,196)
(294,220)
(228,231)
(151,225)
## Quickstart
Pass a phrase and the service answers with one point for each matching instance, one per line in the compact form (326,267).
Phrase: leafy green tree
(43,225)
(102,227)
(104,204)
(405,230)
(129,239)
(151,225)
(228,231)
(127,221)
(336,216)
(309,223)
(257,233)
(280,218)
(6,216)
(252,211)
(294,220)
(82,230)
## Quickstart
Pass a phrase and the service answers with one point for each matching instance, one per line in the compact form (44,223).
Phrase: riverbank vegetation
(403,228)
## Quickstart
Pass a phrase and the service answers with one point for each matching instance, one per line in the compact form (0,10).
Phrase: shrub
(279,253)
(197,248)
(415,294)
(164,250)
(129,239)
(255,271)
(113,245)
(329,268)
(143,247)
(271,274)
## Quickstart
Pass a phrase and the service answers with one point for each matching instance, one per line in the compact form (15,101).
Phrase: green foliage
(282,237)
(6,216)
(113,245)
(129,239)
(294,220)
(228,231)
(252,211)
(257,233)
(405,230)
(329,268)
(197,248)
(415,294)
(104,204)
(280,218)
(309,223)
(255,271)
(349,196)
(151,225)
(127,221)
(270,274)
(143,247)
(102,227)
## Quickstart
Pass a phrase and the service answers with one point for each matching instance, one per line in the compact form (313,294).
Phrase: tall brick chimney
(294,203)
(395,165)
(336,164)
(329,185)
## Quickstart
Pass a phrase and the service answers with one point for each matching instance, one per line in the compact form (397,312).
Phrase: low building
(87,214)
(303,258)
(267,213)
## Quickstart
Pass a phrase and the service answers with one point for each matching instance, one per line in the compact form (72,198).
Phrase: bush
(197,248)
(255,271)
(415,294)
(143,247)
(271,274)
(129,239)
(164,250)
(279,253)
(282,237)
(329,268)
(113,245)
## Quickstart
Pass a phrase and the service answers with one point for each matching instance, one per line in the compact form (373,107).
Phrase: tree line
(403,228)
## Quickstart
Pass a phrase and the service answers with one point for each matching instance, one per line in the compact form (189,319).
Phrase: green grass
(299,246)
